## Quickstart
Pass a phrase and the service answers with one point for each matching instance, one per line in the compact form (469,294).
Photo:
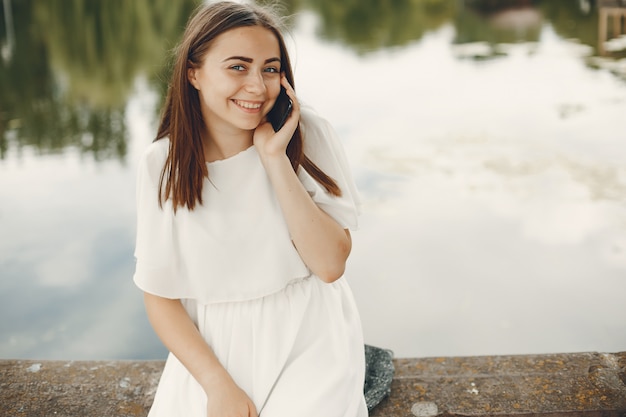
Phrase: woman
(242,234)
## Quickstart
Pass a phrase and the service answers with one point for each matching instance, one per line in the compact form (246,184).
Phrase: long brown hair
(185,169)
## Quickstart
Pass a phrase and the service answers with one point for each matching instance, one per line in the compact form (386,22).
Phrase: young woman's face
(239,79)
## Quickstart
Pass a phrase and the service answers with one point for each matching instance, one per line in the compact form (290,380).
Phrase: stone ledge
(577,384)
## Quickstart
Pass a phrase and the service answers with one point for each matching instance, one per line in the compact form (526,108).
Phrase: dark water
(488,143)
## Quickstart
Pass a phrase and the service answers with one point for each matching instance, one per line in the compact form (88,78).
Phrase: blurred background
(488,139)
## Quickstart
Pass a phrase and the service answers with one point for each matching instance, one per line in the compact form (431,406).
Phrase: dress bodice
(236,245)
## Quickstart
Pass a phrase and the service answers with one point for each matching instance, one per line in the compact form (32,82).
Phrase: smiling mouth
(248,105)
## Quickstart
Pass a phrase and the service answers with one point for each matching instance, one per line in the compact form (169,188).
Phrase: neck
(222,145)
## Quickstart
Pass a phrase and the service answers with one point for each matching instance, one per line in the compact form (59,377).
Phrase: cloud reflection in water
(494,192)
(493,220)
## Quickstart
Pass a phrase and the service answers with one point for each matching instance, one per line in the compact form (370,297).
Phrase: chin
(253,123)
(250,125)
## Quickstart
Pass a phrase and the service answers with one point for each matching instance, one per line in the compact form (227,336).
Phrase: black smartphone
(281,110)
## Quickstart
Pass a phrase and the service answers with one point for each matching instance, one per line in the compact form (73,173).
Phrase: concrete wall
(577,384)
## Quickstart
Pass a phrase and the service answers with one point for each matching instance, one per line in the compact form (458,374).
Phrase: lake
(488,145)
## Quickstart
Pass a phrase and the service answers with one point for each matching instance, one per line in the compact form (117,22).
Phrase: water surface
(488,146)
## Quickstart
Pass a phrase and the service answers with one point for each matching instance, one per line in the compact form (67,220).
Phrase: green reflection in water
(497,26)
(369,25)
(572,22)
(73,70)
(494,24)
(68,67)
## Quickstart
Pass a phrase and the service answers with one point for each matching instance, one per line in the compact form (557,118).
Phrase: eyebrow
(246,59)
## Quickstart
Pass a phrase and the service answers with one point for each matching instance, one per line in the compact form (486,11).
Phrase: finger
(289,90)
(285,83)
(252,410)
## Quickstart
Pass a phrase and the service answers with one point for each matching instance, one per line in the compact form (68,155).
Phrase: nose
(255,83)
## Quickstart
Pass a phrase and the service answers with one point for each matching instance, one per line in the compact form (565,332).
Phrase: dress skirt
(297,352)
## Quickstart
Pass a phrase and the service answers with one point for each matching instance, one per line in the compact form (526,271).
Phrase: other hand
(228,400)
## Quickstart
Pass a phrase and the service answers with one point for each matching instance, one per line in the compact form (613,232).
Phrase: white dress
(292,342)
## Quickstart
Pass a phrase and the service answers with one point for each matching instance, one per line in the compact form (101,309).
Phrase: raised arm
(323,244)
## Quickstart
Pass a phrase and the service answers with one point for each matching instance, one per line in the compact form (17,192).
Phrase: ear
(191,76)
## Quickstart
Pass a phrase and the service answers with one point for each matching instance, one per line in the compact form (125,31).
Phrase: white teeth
(247,105)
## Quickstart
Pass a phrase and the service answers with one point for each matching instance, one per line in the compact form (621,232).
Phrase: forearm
(179,334)
(322,243)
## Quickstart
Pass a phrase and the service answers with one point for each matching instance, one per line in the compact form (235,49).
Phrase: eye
(238,67)
(272,70)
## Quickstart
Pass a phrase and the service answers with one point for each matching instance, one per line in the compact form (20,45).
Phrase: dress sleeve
(154,270)
(324,148)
